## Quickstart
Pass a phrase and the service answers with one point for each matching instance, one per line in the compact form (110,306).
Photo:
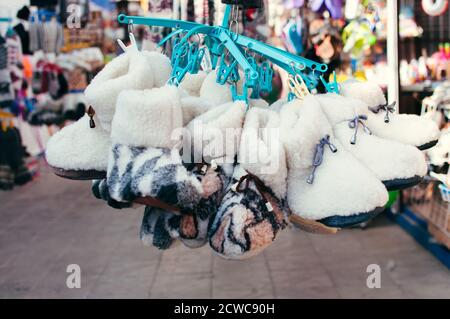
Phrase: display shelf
(417,228)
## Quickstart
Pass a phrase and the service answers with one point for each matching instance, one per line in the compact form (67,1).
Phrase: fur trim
(342,186)
(261,152)
(210,132)
(130,70)
(387,159)
(148,118)
(213,91)
(338,108)
(405,128)
(368,92)
(79,147)
(192,107)
(192,83)
(161,67)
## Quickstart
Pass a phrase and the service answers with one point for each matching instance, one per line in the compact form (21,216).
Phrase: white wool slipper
(384,122)
(325,182)
(396,164)
(192,83)
(161,67)
(144,160)
(79,151)
(215,135)
(253,209)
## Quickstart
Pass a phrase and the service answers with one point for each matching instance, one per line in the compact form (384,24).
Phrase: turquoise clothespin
(331,87)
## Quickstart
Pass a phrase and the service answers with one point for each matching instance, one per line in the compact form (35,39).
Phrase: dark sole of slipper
(402,183)
(348,221)
(427,145)
(78,175)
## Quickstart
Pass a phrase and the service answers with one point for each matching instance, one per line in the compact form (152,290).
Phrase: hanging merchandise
(334,7)
(46,33)
(434,7)
(319,161)
(6,88)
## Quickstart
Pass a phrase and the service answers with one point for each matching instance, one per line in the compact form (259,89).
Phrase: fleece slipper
(384,122)
(78,150)
(396,164)
(253,210)
(325,182)
(145,161)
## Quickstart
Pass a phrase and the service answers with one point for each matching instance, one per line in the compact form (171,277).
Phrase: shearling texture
(216,133)
(100,191)
(192,107)
(160,65)
(244,226)
(155,172)
(261,152)
(130,70)
(79,147)
(342,186)
(192,83)
(213,91)
(368,92)
(388,160)
(148,118)
(159,228)
(404,128)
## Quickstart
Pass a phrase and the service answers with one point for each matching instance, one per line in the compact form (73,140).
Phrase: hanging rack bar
(5,19)
(287,61)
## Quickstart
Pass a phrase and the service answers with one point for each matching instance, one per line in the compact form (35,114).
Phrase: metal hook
(130,27)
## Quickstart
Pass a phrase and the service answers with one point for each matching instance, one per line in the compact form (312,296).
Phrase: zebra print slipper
(144,160)
(248,220)
(253,210)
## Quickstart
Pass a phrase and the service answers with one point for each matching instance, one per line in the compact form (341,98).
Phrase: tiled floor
(51,223)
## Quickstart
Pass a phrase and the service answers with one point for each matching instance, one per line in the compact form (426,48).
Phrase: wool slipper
(78,150)
(253,210)
(159,228)
(324,180)
(145,161)
(192,83)
(385,123)
(100,191)
(396,164)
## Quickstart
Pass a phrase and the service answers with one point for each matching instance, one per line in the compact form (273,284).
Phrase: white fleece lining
(209,132)
(388,160)
(368,92)
(148,118)
(342,186)
(79,147)
(404,128)
(261,152)
(161,67)
(130,70)
(192,107)
(192,83)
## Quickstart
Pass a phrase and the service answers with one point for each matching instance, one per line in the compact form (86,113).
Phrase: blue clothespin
(265,77)
(331,87)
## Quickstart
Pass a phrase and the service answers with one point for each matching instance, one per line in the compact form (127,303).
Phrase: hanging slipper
(383,120)
(192,83)
(253,210)
(100,191)
(80,151)
(159,228)
(396,164)
(326,183)
(145,163)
